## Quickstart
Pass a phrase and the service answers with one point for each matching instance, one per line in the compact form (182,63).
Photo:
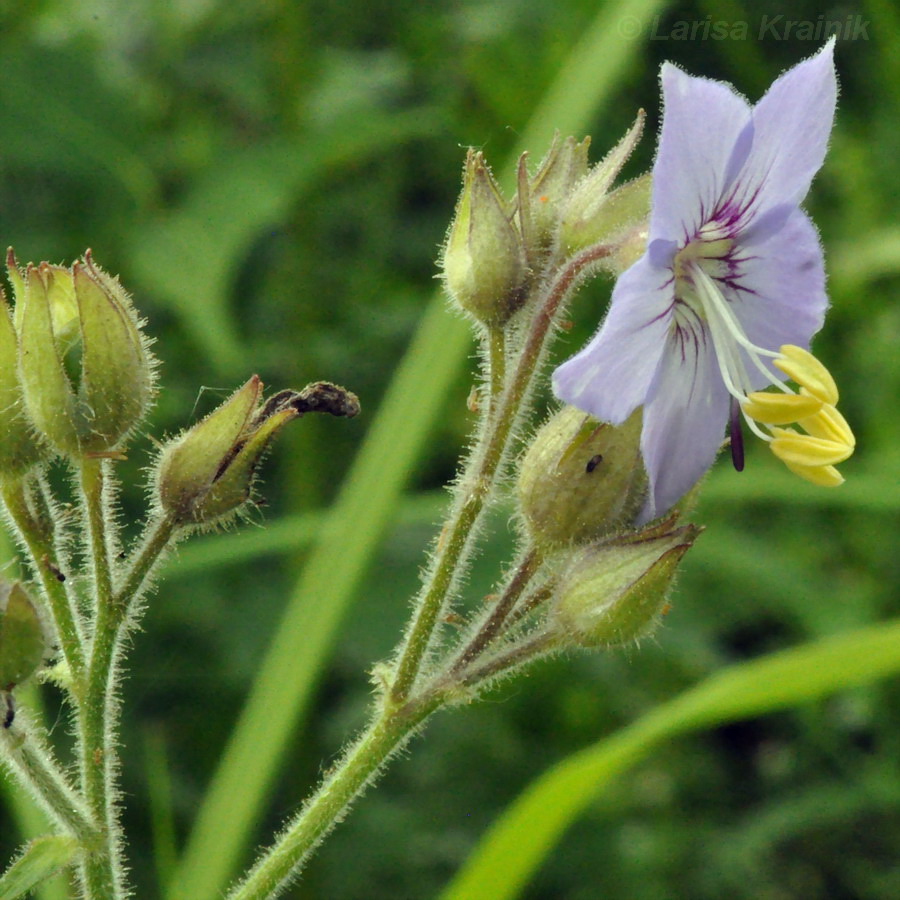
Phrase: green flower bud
(564,166)
(581,479)
(19,448)
(84,365)
(483,260)
(614,593)
(207,474)
(23,641)
(594,214)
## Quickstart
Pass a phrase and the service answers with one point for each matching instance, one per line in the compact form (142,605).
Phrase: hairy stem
(33,764)
(36,530)
(506,660)
(157,539)
(496,341)
(387,734)
(102,869)
(486,460)
(491,627)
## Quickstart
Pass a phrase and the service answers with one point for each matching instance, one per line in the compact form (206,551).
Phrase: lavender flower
(729,292)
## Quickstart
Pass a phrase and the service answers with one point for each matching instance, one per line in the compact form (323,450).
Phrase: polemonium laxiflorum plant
(720,289)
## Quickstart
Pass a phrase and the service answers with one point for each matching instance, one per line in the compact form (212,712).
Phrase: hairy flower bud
(84,366)
(613,593)
(19,447)
(23,641)
(483,260)
(581,479)
(594,213)
(564,166)
(208,472)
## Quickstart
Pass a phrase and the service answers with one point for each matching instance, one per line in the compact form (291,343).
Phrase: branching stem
(499,614)
(486,460)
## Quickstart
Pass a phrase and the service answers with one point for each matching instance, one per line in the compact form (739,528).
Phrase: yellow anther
(823,476)
(780,409)
(807,371)
(804,450)
(829,424)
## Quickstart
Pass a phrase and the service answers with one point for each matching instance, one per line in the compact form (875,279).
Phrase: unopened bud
(84,365)
(581,479)
(207,473)
(594,212)
(564,166)
(23,641)
(614,593)
(483,260)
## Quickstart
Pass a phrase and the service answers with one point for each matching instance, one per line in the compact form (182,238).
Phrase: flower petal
(610,377)
(782,297)
(684,425)
(791,124)
(703,121)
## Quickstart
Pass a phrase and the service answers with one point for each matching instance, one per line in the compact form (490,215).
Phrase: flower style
(729,292)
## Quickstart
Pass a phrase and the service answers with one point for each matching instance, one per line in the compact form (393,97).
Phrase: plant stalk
(388,733)
(478,485)
(102,869)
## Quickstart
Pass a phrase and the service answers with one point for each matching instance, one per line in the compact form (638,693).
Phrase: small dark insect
(57,573)
(10,710)
(593,462)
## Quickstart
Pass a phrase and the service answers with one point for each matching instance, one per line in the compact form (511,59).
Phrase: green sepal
(190,465)
(19,449)
(49,398)
(613,593)
(234,485)
(116,383)
(23,643)
(581,479)
(483,260)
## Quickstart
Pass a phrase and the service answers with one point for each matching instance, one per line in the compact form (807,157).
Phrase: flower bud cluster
(581,489)
(497,247)
(76,374)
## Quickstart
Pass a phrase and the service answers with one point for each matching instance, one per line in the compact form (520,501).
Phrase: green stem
(102,869)
(37,534)
(34,766)
(530,563)
(496,341)
(157,538)
(477,487)
(531,603)
(388,733)
(506,660)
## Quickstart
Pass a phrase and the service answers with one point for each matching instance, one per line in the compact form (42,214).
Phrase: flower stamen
(826,438)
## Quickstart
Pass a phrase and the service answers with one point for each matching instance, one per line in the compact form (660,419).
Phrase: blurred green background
(272,181)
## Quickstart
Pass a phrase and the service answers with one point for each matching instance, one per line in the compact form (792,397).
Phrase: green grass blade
(162,812)
(528,830)
(353,529)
